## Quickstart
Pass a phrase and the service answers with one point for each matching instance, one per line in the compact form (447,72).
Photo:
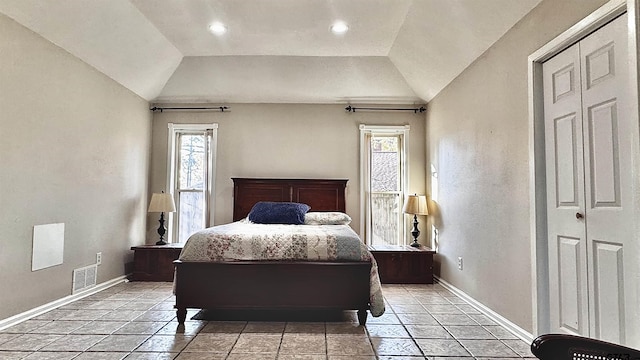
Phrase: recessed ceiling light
(218,28)
(339,28)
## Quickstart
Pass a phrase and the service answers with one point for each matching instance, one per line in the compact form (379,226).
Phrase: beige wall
(478,141)
(74,149)
(285,140)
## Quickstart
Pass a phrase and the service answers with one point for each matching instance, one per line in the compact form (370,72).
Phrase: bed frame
(276,285)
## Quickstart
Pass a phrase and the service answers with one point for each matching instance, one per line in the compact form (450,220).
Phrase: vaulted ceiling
(274,51)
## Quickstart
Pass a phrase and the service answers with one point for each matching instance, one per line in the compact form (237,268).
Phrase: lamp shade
(162,202)
(416,204)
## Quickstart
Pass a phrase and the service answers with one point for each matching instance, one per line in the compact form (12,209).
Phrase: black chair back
(571,347)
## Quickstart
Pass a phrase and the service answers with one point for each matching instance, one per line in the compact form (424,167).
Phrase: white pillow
(326,218)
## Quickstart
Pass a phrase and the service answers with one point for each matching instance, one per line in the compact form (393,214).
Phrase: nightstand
(403,264)
(154,262)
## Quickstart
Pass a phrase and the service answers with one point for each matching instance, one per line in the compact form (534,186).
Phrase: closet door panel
(607,163)
(567,161)
(604,166)
(569,306)
(571,281)
(608,286)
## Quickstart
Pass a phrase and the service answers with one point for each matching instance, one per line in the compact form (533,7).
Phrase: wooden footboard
(272,285)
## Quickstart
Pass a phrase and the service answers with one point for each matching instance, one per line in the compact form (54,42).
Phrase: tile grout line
(404,326)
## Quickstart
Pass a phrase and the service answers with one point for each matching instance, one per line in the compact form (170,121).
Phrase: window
(383,177)
(191,177)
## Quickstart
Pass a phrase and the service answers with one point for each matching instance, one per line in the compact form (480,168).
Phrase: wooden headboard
(320,194)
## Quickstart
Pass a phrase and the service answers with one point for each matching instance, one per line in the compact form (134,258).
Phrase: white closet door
(607,158)
(588,162)
(565,193)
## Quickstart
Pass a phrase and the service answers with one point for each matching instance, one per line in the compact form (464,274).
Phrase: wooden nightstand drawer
(154,262)
(404,264)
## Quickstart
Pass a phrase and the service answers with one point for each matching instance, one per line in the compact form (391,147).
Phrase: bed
(244,284)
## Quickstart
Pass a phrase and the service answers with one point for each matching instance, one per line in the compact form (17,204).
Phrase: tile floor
(136,320)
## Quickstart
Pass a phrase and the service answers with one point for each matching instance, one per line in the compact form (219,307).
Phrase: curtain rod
(219,108)
(415,110)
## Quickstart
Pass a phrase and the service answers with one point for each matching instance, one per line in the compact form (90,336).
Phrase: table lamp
(416,205)
(161,202)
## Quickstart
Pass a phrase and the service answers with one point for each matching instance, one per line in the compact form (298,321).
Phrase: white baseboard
(13,320)
(499,319)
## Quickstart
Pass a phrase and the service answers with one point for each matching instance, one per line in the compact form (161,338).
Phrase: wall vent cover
(84,278)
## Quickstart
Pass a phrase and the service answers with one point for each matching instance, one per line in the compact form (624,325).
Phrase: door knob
(579,216)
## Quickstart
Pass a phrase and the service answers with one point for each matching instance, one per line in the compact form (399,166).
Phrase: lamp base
(161,230)
(415,232)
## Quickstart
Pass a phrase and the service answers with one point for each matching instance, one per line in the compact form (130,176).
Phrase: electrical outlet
(459,262)
(99,258)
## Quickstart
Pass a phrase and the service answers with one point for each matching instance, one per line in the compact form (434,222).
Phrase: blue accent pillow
(268,212)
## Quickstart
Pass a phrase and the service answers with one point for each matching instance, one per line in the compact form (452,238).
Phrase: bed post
(181,313)
(362,316)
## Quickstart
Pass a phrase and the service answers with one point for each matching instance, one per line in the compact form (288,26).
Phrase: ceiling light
(339,28)
(218,28)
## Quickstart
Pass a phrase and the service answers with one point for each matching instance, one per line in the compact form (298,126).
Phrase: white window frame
(174,130)
(365,184)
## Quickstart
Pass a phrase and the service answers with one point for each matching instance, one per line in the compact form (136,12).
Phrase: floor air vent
(84,278)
